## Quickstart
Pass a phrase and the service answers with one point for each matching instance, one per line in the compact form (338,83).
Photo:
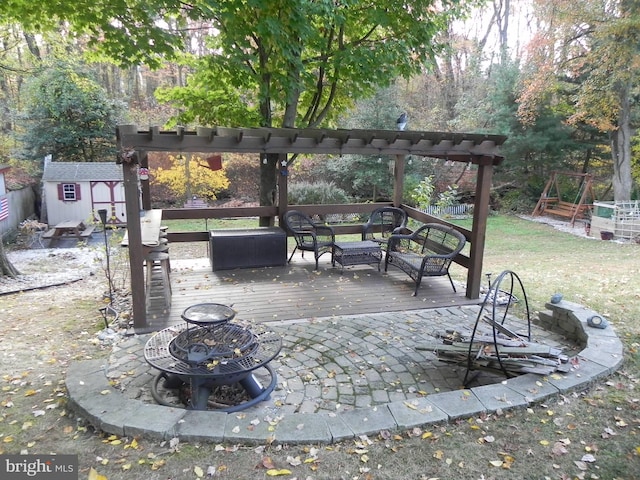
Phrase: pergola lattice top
(462,147)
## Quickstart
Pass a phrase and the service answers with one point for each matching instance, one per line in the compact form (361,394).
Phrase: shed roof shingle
(81,172)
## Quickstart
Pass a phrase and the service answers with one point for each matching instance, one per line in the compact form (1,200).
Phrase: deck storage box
(248,248)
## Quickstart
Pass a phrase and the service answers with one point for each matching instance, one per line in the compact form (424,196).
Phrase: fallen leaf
(198,471)
(267,462)
(620,422)
(608,432)
(507,461)
(559,449)
(274,472)
(580,465)
(93,475)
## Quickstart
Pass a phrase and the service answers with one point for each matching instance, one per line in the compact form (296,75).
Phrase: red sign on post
(215,162)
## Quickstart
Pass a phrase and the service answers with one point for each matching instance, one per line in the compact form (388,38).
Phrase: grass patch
(600,275)
(205,224)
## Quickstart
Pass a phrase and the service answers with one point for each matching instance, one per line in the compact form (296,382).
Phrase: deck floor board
(297,291)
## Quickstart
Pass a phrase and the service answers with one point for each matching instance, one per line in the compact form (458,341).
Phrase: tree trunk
(621,151)
(268,184)
(6,267)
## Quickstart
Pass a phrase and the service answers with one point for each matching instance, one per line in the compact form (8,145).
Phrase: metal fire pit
(210,354)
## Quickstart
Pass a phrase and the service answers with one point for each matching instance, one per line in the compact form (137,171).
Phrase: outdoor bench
(427,252)
(560,208)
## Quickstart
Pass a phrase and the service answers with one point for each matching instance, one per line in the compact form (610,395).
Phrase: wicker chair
(309,236)
(384,222)
(427,252)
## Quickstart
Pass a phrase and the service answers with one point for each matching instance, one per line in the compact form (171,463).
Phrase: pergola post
(283,187)
(136,256)
(129,161)
(398,180)
(478,231)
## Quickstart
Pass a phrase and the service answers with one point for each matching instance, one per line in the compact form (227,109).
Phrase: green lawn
(598,274)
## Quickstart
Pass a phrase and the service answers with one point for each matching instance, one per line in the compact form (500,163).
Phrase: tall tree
(595,47)
(285,62)
(297,63)
(69,116)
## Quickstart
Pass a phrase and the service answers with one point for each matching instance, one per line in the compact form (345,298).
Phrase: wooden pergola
(134,144)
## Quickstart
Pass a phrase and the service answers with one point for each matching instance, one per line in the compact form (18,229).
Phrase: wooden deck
(297,291)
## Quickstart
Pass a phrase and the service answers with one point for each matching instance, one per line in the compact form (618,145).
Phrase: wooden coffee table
(357,253)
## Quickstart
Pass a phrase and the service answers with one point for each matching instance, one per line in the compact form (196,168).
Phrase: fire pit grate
(225,343)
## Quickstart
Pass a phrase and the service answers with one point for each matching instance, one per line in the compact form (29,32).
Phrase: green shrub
(316,193)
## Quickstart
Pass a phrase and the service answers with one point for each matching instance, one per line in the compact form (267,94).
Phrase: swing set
(553,203)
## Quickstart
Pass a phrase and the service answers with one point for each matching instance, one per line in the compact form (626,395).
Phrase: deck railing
(342,217)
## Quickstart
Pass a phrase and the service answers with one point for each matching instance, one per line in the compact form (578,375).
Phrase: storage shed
(76,191)
(619,219)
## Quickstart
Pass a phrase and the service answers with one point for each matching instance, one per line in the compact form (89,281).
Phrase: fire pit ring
(254,389)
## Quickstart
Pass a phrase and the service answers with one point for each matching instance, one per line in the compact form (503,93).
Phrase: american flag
(4,208)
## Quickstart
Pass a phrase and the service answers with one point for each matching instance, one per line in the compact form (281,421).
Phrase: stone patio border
(91,396)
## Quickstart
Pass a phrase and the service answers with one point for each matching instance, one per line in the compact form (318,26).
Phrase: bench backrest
(439,239)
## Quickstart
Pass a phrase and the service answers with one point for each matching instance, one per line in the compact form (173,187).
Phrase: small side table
(357,253)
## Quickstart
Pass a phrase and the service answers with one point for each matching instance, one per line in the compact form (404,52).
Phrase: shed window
(68,192)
